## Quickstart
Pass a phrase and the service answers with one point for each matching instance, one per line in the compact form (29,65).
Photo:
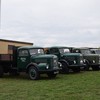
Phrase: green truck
(67,61)
(31,60)
(92,60)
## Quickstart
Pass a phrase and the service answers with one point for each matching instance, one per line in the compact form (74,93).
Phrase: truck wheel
(51,75)
(65,69)
(1,71)
(33,73)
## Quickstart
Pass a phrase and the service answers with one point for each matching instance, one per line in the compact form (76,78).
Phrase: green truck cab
(91,60)
(31,60)
(67,60)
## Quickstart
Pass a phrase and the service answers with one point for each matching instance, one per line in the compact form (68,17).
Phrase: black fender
(31,64)
(62,60)
(65,67)
(87,62)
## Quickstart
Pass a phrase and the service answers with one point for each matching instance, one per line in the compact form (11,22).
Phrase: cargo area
(6,57)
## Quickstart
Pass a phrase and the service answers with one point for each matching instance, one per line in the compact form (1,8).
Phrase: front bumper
(55,71)
(94,65)
(77,66)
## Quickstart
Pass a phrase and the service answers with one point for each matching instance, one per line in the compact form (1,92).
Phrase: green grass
(80,86)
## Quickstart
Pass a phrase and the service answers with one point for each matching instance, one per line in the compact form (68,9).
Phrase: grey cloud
(52,22)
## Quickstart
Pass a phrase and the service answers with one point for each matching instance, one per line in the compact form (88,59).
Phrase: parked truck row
(49,60)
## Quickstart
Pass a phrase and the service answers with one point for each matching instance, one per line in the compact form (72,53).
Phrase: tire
(65,69)
(51,75)
(33,73)
(1,71)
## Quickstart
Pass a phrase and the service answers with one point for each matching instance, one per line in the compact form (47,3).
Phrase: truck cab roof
(58,47)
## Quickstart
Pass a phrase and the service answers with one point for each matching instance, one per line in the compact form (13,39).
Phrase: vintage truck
(31,60)
(67,60)
(92,60)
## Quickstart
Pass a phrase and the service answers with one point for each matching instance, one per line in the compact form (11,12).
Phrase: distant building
(6,46)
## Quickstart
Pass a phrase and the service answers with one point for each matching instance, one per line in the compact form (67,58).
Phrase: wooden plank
(6,57)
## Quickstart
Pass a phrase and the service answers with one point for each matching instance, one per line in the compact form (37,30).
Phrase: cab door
(23,59)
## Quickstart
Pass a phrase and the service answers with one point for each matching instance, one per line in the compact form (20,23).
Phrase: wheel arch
(87,61)
(64,61)
(29,65)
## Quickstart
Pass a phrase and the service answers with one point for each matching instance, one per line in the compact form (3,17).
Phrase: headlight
(81,61)
(84,60)
(60,64)
(93,61)
(47,67)
(55,61)
(74,62)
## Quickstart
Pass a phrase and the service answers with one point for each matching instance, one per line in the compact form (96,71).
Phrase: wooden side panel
(6,57)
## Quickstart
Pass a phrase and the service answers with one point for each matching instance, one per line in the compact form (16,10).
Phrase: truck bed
(6,57)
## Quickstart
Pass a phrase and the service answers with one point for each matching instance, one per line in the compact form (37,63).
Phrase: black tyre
(65,69)
(1,71)
(51,75)
(33,73)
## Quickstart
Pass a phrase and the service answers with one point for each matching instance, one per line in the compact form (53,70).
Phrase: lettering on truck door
(23,59)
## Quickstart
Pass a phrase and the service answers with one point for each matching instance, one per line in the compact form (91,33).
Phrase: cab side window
(23,53)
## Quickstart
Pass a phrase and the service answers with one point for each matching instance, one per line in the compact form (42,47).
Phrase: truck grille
(72,60)
(55,63)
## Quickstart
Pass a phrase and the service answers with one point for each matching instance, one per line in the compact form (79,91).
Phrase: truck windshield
(86,51)
(64,50)
(36,51)
(95,51)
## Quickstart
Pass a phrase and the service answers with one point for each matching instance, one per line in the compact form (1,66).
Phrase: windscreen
(36,51)
(64,50)
(96,51)
(86,51)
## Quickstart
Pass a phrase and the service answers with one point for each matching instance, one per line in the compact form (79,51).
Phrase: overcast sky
(51,22)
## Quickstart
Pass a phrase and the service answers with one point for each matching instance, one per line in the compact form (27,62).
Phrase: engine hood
(71,54)
(43,56)
(91,55)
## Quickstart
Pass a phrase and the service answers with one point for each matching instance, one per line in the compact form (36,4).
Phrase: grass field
(80,86)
